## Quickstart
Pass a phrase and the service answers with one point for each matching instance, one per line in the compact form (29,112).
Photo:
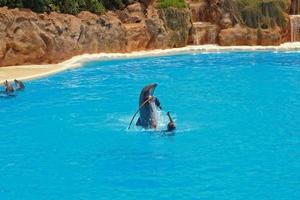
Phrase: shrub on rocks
(260,13)
(172,3)
(67,6)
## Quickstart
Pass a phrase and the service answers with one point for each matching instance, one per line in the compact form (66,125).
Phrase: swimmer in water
(171,124)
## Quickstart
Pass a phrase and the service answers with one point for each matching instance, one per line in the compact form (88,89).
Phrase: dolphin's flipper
(157,102)
(138,122)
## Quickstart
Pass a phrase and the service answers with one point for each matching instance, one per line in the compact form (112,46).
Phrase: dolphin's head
(148,91)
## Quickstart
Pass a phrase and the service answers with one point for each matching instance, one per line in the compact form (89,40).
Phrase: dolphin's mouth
(152,88)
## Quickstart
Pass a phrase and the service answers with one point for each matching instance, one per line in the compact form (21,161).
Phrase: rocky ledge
(30,38)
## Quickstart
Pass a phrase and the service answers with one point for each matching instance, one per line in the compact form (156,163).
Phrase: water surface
(238,131)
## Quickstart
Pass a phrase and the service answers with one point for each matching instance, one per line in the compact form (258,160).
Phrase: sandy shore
(28,72)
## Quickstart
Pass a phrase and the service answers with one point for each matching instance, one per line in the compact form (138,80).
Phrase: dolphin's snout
(149,89)
(152,88)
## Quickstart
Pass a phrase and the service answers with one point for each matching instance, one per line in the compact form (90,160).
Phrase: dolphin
(8,87)
(148,107)
(19,85)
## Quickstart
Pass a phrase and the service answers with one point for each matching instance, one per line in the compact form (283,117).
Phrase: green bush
(37,5)
(93,6)
(116,4)
(12,3)
(67,6)
(172,3)
(261,13)
(70,6)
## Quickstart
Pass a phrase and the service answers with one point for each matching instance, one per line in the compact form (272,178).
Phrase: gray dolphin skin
(8,87)
(148,111)
(20,85)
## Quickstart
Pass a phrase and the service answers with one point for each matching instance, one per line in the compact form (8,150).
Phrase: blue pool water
(238,131)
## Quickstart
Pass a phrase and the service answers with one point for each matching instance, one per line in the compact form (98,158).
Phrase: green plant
(116,4)
(37,5)
(260,13)
(54,7)
(12,3)
(67,6)
(172,3)
(93,6)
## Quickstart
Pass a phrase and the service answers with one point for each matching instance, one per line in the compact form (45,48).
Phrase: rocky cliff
(223,22)
(30,38)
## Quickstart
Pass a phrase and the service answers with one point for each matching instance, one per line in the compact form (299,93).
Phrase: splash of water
(119,120)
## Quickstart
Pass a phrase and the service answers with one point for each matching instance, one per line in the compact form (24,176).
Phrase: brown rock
(158,33)
(205,33)
(226,21)
(238,36)
(247,36)
(178,25)
(30,38)
(134,13)
(2,48)
(212,11)
(269,37)
(138,36)
(198,9)
(219,13)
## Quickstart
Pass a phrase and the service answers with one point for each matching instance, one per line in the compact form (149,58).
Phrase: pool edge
(39,71)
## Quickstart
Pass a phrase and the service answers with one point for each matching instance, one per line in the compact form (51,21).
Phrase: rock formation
(214,22)
(295,21)
(240,35)
(30,38)
(209,17)
(205,33)
(295,7)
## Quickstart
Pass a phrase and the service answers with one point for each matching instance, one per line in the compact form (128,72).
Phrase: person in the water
(19,85)
(8,87)
(171,125)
